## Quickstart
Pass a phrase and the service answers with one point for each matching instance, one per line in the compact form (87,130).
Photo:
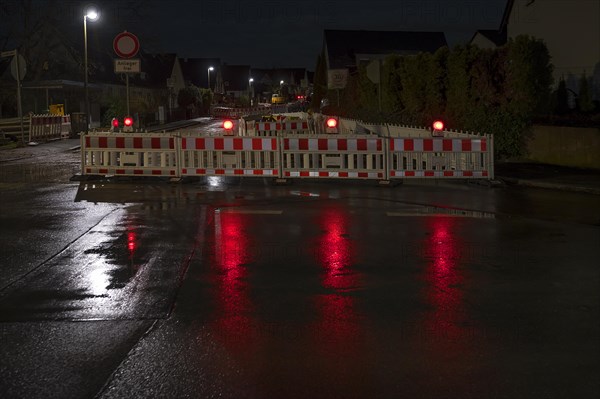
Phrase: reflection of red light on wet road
(443,251)
(131,242)
(232,320)
(335,251)
(338,331)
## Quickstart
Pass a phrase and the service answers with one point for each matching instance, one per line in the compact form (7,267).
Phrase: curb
(550,186)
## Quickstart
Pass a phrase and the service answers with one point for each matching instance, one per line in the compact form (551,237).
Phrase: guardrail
(12,126)
(287,156)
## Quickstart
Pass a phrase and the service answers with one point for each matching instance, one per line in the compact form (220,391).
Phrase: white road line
(252,211)
(450,213)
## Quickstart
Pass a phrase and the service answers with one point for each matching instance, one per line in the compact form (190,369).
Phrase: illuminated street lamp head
(251,80)
(92,14)
(211,68)
(281,82)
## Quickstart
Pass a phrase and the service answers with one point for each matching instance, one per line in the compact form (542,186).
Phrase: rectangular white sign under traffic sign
(128,65)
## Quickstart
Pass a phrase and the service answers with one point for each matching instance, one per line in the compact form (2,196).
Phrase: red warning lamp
(331,122)
(438,125)
(115,122)
(228,125)
(128,121)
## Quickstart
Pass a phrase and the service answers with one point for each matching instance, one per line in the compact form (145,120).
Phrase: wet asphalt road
(238,288)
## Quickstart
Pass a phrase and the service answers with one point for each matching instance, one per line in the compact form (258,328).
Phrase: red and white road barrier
(272,128)
(65,131)
(229,156)
(288,155)
(130,154)
(349,157)
(45,127)
(441,157)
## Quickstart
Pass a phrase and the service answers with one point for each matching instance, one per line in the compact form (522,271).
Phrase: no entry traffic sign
(126,44)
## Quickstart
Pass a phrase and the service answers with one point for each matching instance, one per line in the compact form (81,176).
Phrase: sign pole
(127,85)
(19,106)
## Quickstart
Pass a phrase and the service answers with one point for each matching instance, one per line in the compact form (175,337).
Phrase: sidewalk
(50,147)
(512,173)
(549,177)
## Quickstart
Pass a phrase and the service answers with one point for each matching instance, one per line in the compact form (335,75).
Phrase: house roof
(343,45)
(506,15)
(495,36)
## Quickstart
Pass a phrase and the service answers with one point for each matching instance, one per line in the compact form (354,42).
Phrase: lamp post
(92,15)
(209,69)
(251,91)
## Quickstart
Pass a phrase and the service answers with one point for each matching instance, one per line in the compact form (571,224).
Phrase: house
(570,29)
(345,50)
(235,80)
(489,38)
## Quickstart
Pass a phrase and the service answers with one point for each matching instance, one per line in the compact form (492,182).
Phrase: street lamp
(251,91)
(209,69)
(92,15)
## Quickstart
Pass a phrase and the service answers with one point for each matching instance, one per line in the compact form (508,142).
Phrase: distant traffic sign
(126,44)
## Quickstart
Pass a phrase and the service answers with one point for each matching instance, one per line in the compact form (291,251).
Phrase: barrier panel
(288,155)
(350,157)
(441,157)
(65,130)
(45,127)
(267,129)
(229,156)
(129,154)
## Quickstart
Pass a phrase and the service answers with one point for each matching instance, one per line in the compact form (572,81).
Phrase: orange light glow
(438,125)
(331,122)
(228,125)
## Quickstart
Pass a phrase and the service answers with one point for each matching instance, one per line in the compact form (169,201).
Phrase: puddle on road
(38,173)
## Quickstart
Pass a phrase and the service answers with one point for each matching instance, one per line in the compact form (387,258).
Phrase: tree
(189,97)
(320,83)
(562,98)
(584,100)
(529,76)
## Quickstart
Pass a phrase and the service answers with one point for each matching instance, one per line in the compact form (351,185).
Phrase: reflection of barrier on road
(128,154)
(45,127)
(441,157)
(229,156)
(351,157)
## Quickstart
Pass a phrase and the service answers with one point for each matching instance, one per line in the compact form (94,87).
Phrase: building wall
(565,146)
(571,30)
(481,41)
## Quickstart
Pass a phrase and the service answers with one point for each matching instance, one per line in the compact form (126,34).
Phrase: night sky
(269,33)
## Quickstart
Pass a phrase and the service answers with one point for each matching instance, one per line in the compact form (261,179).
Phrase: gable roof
(497,37)
(506,15)
(343,45)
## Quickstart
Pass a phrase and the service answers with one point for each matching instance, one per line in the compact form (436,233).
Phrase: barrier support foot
(279,181)
(389,183)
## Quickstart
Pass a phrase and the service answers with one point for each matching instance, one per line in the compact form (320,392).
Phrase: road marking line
(252,212)
(450,213)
